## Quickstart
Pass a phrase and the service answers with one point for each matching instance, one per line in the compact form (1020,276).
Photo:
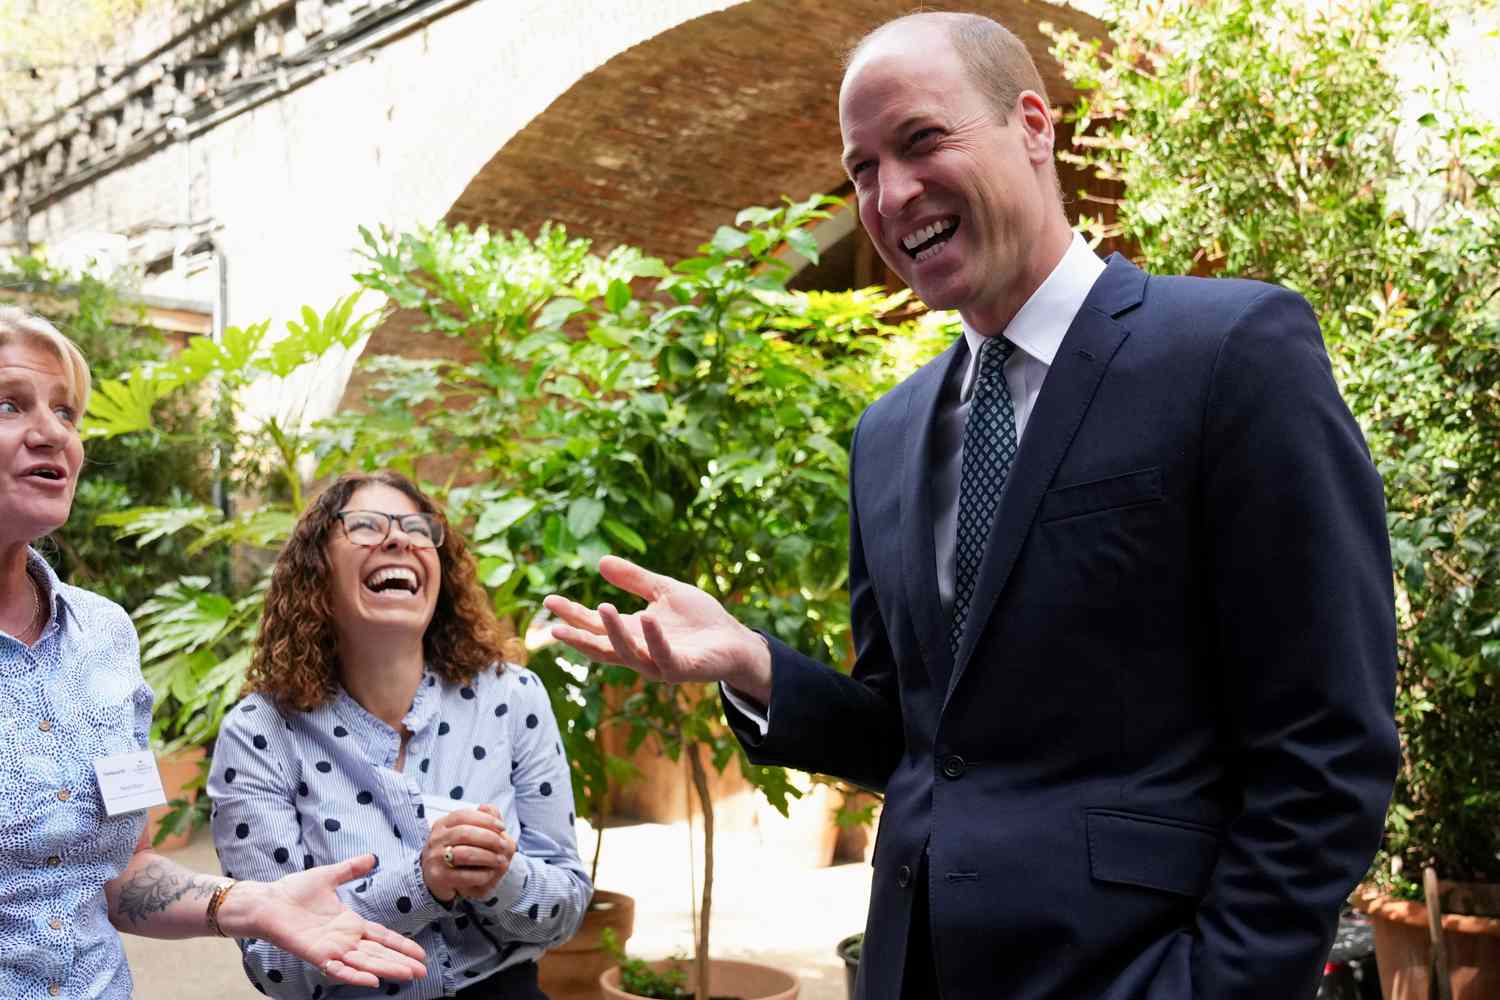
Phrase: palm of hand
(311,921)
(696,627)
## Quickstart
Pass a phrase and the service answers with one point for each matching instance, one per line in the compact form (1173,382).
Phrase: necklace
(33,623)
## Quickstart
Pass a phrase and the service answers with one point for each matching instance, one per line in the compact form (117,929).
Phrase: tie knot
(993,354)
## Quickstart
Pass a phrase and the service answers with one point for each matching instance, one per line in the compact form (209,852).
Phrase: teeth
(916,239)
(389,573)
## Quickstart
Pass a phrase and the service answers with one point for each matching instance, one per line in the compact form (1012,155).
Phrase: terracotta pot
(177,769)
(571,970)
(726,978)
(1403,950)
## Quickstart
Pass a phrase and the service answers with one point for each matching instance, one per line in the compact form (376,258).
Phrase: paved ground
(766,908)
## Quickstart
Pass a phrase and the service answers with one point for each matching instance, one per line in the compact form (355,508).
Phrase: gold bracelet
(217,900)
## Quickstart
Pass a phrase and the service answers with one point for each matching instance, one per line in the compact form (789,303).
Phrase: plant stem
(706,803)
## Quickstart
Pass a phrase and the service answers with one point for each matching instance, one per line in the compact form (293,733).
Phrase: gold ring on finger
(448,856)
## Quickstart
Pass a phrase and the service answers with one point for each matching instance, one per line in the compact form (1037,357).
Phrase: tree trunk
(706,804)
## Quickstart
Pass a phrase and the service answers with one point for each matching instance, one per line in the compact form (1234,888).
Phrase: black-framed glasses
(369,528)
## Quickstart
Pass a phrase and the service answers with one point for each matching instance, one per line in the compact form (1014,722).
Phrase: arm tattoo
(157,887)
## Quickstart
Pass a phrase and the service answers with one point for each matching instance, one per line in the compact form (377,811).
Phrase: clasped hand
(481,853)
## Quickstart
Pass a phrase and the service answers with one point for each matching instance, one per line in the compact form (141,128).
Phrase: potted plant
(695,414)
(1392,238)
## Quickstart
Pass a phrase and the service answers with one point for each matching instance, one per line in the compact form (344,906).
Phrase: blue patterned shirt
(297,789)
(73,697)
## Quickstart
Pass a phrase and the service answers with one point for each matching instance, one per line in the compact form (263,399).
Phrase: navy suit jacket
(1163,753)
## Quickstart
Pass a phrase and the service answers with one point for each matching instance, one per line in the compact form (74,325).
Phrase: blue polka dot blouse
(296,789)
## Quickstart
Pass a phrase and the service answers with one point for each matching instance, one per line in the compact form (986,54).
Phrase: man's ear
(1036,126)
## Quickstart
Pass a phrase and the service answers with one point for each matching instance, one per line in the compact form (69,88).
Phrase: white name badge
(129,781)
(435,807)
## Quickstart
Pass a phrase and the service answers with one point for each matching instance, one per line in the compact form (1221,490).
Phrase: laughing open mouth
(929,239)
(48,472)
(392,579)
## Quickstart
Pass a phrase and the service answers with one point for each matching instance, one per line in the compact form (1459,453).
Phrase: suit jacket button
(953,766)
(903,876)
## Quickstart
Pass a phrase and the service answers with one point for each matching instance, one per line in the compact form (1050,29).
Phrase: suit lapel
(1077,369)
(919,555)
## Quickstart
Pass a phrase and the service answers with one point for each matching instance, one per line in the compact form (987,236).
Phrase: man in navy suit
(1120,584)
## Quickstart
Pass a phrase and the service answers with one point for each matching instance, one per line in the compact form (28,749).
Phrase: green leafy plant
(1274,141)
(695,416)
(638,978)
(197,631)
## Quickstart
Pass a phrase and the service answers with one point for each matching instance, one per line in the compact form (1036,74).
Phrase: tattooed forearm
(157,886)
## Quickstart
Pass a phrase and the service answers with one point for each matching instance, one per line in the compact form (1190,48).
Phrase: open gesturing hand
(682,635)
(303,915)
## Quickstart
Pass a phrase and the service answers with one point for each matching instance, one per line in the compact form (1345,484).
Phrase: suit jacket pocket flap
(1142,486)
(1150,851)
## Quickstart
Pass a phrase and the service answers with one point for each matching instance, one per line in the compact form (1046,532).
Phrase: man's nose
(899,184)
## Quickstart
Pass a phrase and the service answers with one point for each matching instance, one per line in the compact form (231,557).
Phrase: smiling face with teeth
(959,200)
(391,587)
(39,443)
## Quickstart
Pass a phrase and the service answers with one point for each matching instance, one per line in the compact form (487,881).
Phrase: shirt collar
(1039,327)
(40,567)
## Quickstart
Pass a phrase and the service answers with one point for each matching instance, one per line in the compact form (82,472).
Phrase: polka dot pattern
(494,741)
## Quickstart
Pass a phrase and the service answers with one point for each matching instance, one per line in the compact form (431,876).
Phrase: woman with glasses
(382,719)
(75,717)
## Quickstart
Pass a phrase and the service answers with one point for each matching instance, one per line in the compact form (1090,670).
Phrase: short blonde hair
(19,326)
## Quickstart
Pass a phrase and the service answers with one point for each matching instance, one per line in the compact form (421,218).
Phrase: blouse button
(63,795)
(45,725)
(53,861)
(55,924)
(54,989)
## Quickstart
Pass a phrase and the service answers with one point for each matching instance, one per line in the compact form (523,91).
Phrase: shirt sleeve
(760,717)
(257,833)
(543,895)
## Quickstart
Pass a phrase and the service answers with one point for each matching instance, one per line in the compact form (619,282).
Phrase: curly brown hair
(296,654)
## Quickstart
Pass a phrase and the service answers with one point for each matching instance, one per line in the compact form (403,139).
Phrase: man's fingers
(667,666)
(637,580)
(573,613)
(590,645)
(630,651)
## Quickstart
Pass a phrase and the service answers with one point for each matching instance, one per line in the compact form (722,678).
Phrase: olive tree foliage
(1278,141)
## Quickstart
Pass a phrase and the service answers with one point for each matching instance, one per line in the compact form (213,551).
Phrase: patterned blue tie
(989,449)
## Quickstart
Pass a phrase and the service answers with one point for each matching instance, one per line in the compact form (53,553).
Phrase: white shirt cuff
(761,718)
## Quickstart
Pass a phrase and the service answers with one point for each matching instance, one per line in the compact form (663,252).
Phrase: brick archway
(670,138)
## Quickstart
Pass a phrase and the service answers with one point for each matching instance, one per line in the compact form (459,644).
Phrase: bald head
(993,58)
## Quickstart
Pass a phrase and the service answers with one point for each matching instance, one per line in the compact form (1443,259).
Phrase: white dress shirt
(1037,330)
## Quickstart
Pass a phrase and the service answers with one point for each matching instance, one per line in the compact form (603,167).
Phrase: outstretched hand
(303,915)
(682,635)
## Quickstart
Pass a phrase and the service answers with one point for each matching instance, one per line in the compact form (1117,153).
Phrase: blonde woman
(73,871)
